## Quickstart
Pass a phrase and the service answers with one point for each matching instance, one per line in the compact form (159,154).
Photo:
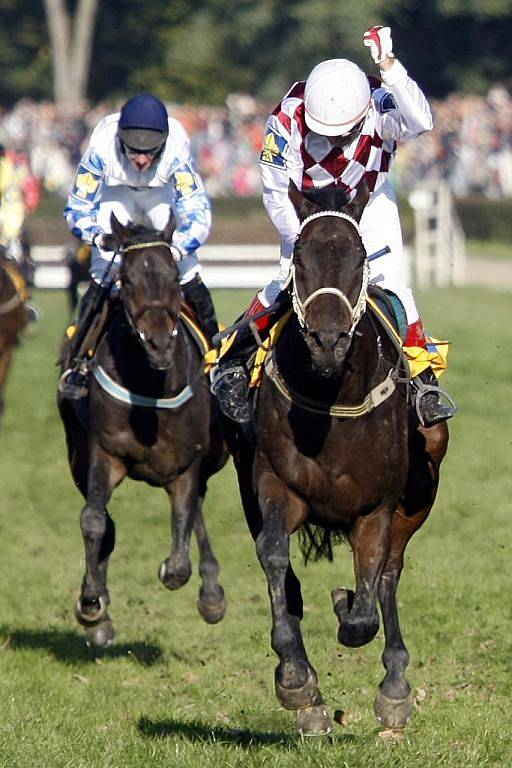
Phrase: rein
(357,310)
(140,246)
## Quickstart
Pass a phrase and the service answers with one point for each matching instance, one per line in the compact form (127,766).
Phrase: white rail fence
(438,256)
(439,253)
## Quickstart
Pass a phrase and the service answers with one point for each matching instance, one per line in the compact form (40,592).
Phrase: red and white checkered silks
(323,164)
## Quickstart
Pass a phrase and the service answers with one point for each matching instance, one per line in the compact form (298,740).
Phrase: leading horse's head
(149,287)
(329,272)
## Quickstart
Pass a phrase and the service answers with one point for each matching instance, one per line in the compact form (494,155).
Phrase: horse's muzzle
(328,350)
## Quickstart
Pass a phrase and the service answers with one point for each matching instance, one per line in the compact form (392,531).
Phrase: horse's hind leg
(393,705)
(212,602)
(98,532)
(296,681)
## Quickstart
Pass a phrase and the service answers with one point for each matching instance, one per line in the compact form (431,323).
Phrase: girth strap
(124,395)
(373,399)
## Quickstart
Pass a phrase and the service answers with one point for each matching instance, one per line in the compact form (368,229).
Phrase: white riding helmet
(336,97)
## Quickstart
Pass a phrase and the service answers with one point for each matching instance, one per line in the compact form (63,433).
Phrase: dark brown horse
(149,416)
(338,454)
(13,318)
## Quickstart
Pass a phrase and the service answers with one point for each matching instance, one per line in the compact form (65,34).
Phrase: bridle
(155,304)
(357,310)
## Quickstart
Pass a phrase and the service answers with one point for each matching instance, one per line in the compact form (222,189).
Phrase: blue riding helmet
(143,123)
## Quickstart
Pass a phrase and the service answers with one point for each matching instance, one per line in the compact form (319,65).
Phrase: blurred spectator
(471,145)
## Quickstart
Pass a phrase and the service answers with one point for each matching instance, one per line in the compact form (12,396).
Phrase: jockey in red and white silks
(107,180)
(396,110)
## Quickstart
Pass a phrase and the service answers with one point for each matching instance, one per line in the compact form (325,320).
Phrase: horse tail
(316,543)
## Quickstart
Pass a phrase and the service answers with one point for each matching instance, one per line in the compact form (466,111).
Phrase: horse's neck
(123,357)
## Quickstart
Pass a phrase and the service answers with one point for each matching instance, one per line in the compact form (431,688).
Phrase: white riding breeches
(150,206)
(380,227)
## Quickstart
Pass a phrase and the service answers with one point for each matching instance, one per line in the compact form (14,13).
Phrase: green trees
(201,50)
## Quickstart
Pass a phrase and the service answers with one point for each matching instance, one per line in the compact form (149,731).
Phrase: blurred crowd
(471,145)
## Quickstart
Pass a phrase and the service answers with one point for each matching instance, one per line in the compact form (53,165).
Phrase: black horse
(13,319)
(150,416)
(338,453)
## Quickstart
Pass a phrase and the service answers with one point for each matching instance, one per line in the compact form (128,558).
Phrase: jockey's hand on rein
(106,242)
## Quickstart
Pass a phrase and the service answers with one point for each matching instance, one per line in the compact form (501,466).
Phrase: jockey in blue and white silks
(107,181)
(138,167)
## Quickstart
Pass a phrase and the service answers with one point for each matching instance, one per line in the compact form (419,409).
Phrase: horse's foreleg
(183,494)
(212,602)
(296,681)
(98,532)
(357,613)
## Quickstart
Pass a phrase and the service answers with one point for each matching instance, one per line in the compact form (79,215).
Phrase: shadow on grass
(70,647)
(197,732)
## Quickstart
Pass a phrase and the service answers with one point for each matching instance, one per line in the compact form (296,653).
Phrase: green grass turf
(173,691)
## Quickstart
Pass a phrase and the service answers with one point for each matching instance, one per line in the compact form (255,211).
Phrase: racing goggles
(133,152)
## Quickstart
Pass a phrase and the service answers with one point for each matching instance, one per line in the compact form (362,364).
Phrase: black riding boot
(429,407)
(197,295)
(230,379)
(73,383)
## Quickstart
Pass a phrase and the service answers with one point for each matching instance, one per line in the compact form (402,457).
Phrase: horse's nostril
(327,340)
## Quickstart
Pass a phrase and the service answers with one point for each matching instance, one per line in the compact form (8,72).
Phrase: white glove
(176,253)
(380,43)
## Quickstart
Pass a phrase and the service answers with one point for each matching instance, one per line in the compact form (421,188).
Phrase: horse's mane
(331,198)
(136,230)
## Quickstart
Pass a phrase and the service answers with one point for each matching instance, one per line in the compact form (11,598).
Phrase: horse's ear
(118,230)
(356,207)
(303,206)
(169,228)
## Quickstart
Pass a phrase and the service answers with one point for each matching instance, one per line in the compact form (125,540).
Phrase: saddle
(388,310)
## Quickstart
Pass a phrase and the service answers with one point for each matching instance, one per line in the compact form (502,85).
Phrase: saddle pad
(419,359)
(391,307)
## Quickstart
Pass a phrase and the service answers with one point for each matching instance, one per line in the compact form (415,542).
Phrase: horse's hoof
(300,697)
(354,631)
(393,713)
(173,580)
(342,599)
(314,721)
(88,614)
(101,634)
(212,611)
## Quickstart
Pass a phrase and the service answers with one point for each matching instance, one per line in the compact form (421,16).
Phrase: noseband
(149,304)
(356,311)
